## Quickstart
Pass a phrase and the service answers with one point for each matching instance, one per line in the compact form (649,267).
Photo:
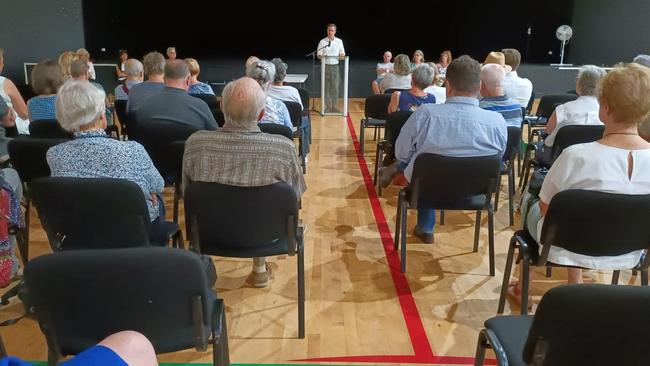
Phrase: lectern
(332,88)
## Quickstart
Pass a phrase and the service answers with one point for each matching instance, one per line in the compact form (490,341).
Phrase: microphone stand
(313,71)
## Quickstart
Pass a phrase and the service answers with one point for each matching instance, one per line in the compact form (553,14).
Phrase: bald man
(240,154)
(495,99)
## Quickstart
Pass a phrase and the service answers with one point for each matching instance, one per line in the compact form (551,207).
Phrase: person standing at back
(331,48)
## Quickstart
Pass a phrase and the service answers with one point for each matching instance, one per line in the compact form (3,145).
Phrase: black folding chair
(122,115)
(394,123)
(28,157)
(566,136)
(95,213)
(48,129)
(391,90)
(213,104)
(584,222)
(450,183)
(276,129)
(375,115)
(306,105)
(248,222)
(295,112)
(574,325)
(81,297)
(545,109)
(508,168)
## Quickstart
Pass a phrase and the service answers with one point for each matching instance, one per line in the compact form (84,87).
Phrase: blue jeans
(426,216)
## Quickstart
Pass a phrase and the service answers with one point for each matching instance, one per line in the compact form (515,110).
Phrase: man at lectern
(331,47)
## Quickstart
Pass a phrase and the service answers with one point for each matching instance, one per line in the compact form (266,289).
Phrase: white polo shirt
(334,49)
(517,88)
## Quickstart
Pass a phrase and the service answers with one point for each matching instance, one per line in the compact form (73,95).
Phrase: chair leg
(52,357)
(496,193)
(177,189)
(644,277)
(301,291)
(549,272)
(615,277)
(403,229)
(380,146)
(511,193)
(220,351)
(376,130)
(524,166)
(362,137)
(23,245)
(481,347)
(506,275)
(477,230)
(491,240)
(398,218)
(525,277)
(526,175)
(442,217)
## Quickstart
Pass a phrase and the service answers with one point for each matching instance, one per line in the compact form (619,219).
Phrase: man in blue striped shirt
(494,98)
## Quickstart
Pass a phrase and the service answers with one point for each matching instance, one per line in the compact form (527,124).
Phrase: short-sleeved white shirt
(385,66)
(518,88)
(582,111)
(334,49)
(597,167)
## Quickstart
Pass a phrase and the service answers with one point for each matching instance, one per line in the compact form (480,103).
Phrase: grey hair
(154,64)
(588,78)
(78,68)
(83,51)
(423,76)
(176,69)
(263,72)
(242,102)
(133,67)
(78,104)
(280,70)
(643,60)
(402,64)
(492,75)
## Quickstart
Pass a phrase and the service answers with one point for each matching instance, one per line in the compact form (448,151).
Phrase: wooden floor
(358,304)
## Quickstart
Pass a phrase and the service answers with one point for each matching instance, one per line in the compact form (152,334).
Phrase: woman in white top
(400,78)
(84,56)
(617,163)
(13,99)
(280,91)
(439,92)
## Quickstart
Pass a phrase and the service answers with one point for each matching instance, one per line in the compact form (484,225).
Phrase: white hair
(492,75)
(79,103)
(133,67)
(263,72)
(242,101)
(422,76)
(588,78)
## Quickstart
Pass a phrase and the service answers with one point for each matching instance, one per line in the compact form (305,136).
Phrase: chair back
(122,115)
(213,104)
(48,129)
(575,134)
(276,129)
(241,221)
(549,102)
(514,142)
(393,120)
(91,213)
(81,297)
(596,223)
(590,325)
(438,178)
(529,106)
(28,156)
(376,106)
(304,98)
(156,137)
(295,112)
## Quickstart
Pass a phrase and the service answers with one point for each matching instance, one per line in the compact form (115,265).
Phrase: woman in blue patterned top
(92,154)
(275,111)
(46,79)
(197,87)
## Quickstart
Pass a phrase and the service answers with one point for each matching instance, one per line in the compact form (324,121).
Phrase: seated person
(458,128)
(383,69)
(125,348)
(239,154)
(582,111)
(418,59)
(46,80)
(400,78)
(275,111)
(79,71)
(10,94)
(493,97)
(438,91)
(280,91)
(154,69)
(120,70)
(134,72)
(84,56)
(7,122)
(443,62)
(173,104)
(644,128)
(80,109)
(410,100)
(196,86)
(518,88)
(617,163)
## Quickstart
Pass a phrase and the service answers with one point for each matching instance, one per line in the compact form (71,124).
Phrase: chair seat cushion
(511,331)
(374,122)
(469,203)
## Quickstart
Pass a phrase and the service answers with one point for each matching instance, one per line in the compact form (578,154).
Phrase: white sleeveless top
(21,124)
(3,93)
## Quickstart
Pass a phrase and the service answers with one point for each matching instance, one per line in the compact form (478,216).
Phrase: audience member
(582,111)
(643,60)
(280,91)
(617,163)
(80,109)
(121,69)
(400,78)
(171,53)
(457,128)
(438,91)
(13,99)
(383,68)
(79,71)
(197,87)
(134,72)
(644,128)
(7,121)
(517,88)
(418,59)
(444,61)
(250,62)
(46,80)
(275,111)
(154,69)
(84,56)
(173,104)
(239,154)
(65,60)
(410,100)
(493,97)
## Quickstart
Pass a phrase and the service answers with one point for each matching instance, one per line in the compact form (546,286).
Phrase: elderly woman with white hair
(410,100)
(92,154)
(582,111)
(84,56)
(275,111)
